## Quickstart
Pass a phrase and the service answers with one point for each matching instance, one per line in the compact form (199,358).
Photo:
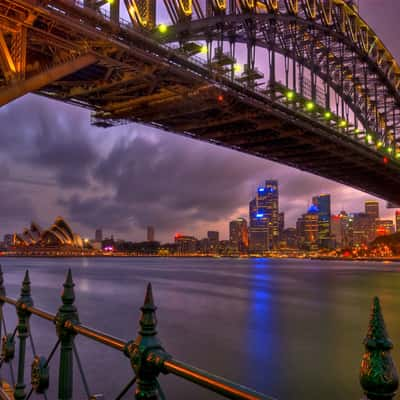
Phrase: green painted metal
(146,353)
(378,374)
(24,301)
(67,315)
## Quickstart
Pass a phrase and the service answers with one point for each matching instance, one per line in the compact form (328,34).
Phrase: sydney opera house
(58,239)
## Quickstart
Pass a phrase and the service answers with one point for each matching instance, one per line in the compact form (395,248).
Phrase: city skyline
(129,177)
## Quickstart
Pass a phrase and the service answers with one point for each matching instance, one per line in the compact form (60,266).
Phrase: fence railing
(146,354)
(148,358)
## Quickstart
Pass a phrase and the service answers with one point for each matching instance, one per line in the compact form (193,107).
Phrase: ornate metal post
(66,315)
(146,352)
(24,301)
(378,374)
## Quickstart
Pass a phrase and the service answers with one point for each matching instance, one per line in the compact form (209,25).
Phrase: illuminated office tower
(264,218)
(238,234)
(372,209)
(323,204)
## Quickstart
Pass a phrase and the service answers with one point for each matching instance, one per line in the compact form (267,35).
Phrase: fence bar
(98,336)
(215,383)
(24,301)
(67,312)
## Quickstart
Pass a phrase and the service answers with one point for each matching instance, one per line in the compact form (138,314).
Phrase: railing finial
(378,374)
(67,315)
(148,320)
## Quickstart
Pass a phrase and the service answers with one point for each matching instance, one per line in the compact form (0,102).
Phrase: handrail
(147,356)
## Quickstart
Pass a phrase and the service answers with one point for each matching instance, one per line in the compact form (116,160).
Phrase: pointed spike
(69,279)
(378,373)
(148,300)
(26,277)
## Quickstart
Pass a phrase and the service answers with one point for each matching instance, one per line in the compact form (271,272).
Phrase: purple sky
(53,162)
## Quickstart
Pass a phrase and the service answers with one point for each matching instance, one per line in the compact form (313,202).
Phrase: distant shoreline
(320,258)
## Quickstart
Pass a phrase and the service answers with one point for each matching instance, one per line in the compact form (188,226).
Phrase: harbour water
(292,329)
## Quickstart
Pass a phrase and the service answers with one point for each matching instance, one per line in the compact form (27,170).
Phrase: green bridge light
(310,106)
(328,115)
(379,144)
(290,95)
(162,28)
(204,49)
(343,123)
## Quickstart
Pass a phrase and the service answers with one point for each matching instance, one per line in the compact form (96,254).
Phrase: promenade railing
(148,358)
(146,354)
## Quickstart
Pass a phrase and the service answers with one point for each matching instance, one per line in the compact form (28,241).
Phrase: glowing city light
(398,155)
(328,115)
(261,189)
(162,28)
(369,138)
(220,98)
(343,123)
(310,106)
(290,95)
(259,215)
(110,1)
(379,144)
(390,150)
(357,130)
(385,160)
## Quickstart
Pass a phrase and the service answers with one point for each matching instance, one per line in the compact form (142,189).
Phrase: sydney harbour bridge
(306,83)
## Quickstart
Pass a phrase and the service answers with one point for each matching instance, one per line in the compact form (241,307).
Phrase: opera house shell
(58,237)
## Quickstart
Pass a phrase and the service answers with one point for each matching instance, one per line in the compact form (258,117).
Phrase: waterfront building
(311,228)
(289,238)
(372,208)
(212,241)
(264,218)
(150,234)
(186,244)
(238,234)
(57,239)
(323,204)
(397,221)
(340,229)
(98,235)
(8,240)
(362,228)
(384,227)
(281,225)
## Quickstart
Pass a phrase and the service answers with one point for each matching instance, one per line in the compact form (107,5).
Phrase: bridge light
(328,115)
(204,49)
(385,160)
(343,123)
(398,154)
(369,139)
(310,106)
(220,98)
(237,68)
(162,28)
(379,144)
(110,1)
(290,95)
(357,130)
(390,150)
(259,215)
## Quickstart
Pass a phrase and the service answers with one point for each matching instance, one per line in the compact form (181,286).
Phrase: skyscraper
(212,241)
(323,204)
(397,221)
(238,234)
(372,209)
(98,235)
(150,233)
(264,218)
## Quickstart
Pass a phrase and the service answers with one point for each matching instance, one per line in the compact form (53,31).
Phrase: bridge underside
(70,57)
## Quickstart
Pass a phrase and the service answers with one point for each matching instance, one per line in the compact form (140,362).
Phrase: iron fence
(146,354)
